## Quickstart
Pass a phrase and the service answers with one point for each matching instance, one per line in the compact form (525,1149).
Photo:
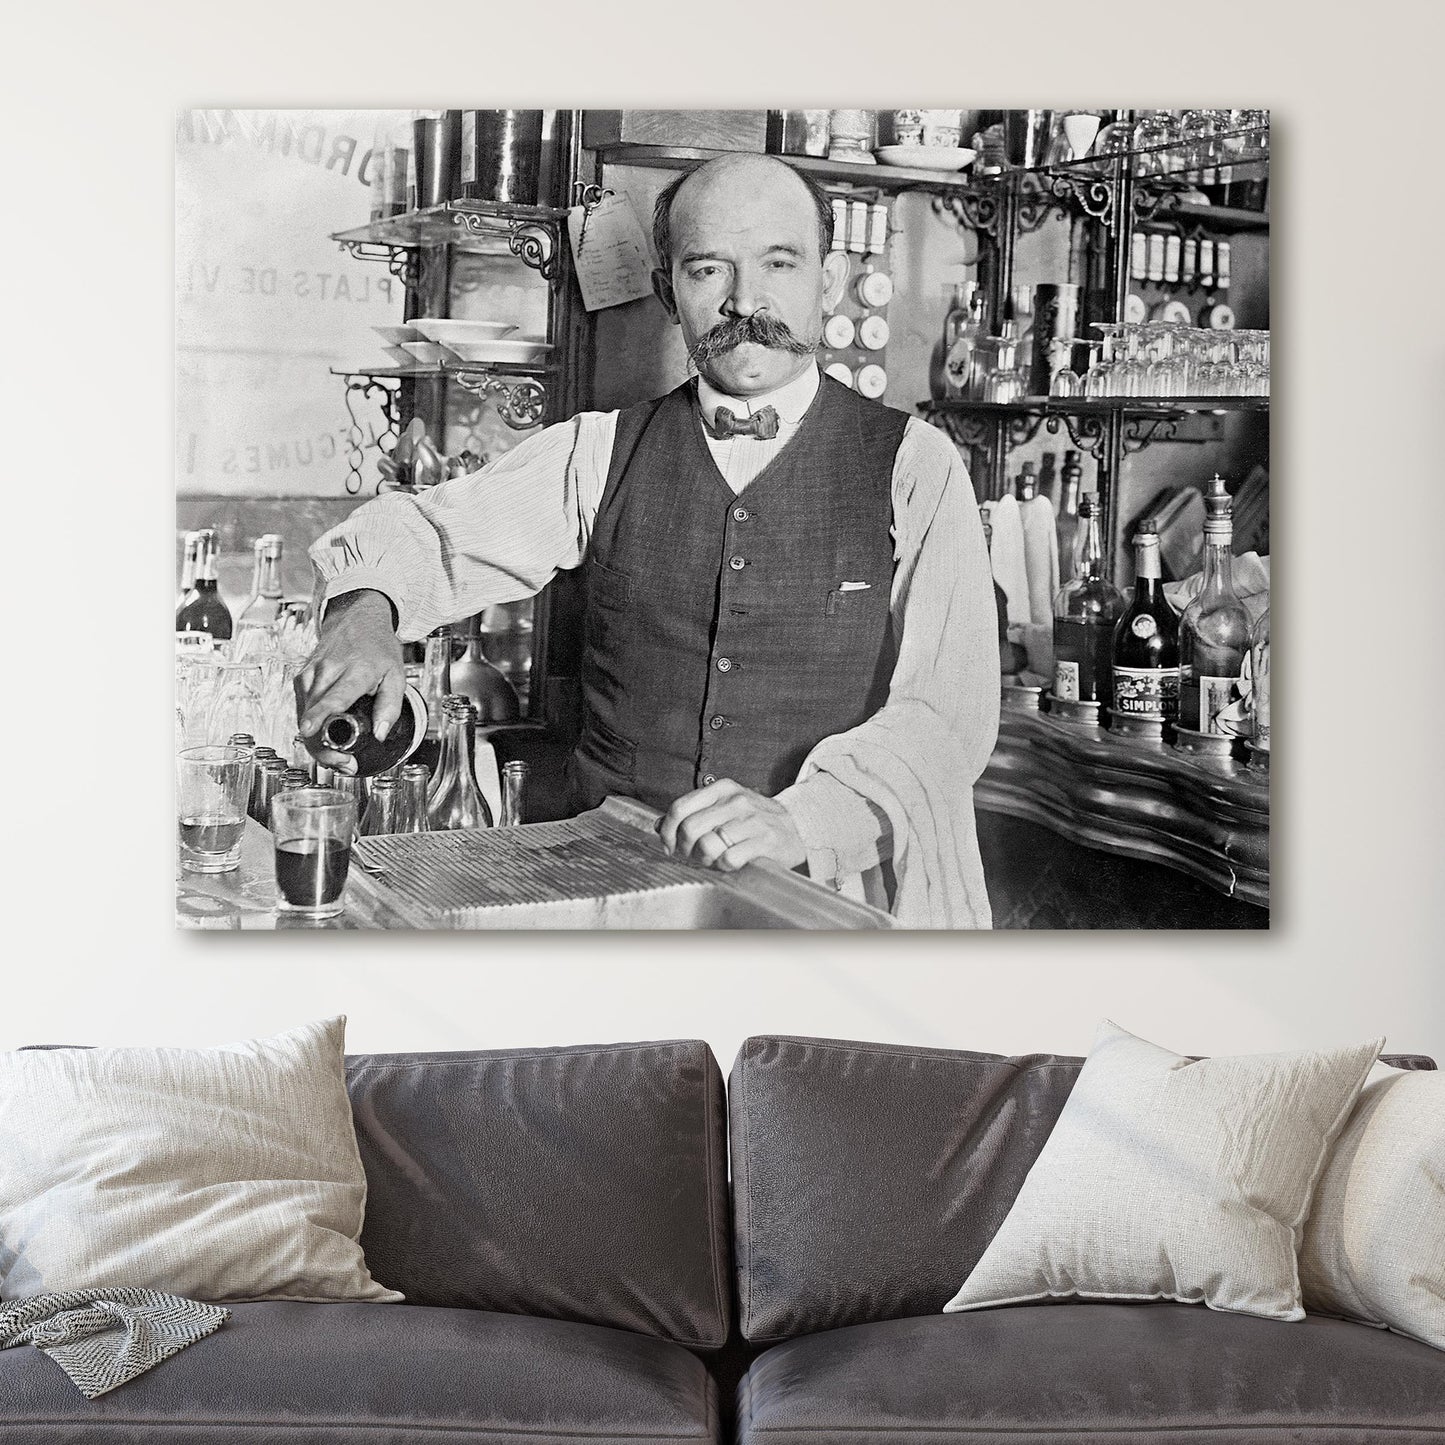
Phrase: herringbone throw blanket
(103,1337)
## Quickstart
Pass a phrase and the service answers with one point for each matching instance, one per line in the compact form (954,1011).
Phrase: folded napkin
(103,1337)
(1007,552)
(1041,558)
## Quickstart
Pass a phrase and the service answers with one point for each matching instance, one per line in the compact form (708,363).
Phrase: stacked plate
(430,340)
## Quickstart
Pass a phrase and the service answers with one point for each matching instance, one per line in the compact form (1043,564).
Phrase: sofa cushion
(1104,1374)
(869,1178)
(323,1374)
(575,1183)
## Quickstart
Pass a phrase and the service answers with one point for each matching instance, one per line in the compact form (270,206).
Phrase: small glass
(314,828)
(238,704)
(213,788)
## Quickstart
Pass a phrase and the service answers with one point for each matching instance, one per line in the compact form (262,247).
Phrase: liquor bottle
(204,611)
(188,568)
(456,801)
(351,732)
(1145,660)
(1050,484)
(476,678)
(1085,613)
(961,332)
(1067,521)
(1259,688)
(265,603)
(1214,631)
(1027,488)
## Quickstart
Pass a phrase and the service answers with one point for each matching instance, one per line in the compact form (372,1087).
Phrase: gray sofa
(559,1221)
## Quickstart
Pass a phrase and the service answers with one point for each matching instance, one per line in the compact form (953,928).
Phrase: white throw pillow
(1167,1178)
(222,1174)
(1374,1243)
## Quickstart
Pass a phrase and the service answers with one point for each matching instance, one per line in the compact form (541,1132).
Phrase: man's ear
(662,288)
(835,278)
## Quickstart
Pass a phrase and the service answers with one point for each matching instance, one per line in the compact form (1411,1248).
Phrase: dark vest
(720,642)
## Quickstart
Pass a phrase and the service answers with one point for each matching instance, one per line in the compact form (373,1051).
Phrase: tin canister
(1056,323)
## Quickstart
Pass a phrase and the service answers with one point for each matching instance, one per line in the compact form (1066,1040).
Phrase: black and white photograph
(692,519)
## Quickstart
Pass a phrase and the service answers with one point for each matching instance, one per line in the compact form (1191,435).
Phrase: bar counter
(604,869)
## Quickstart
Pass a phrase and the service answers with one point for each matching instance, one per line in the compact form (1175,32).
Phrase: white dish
(428,353)
(400,356)
(395,335)
(517,353)
(448,332)
(927,158)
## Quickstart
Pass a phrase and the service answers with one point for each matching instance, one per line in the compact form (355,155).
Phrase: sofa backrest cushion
(869,1178)
(572,1183)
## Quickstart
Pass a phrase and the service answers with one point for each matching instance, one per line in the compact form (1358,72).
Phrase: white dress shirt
(899,787)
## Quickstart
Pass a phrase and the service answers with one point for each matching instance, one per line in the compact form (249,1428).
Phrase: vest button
(724,664)
(737,563)
(716,722)
(741,514)
(708,778)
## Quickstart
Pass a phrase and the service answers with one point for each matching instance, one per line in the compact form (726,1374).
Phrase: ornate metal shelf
(1146,406)
(1139,799)
(520,391)
(531,233)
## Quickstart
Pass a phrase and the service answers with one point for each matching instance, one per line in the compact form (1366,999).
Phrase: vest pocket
(608,749)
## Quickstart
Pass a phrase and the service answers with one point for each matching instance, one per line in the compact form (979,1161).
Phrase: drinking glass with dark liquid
(213,788)
(313,828)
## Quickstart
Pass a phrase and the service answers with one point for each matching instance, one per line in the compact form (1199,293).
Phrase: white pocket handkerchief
(853,586)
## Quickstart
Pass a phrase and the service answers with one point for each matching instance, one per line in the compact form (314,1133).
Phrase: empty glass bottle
(514,787)
(385,808)
(415,782)
(456,801)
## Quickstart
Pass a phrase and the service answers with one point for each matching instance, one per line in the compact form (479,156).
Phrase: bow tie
(762,424)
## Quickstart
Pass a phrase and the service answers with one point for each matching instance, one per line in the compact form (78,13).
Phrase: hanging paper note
(610,252)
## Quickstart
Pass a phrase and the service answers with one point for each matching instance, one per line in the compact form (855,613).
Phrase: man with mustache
(791,638)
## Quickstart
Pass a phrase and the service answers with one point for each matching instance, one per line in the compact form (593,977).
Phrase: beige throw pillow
(222,1174)
(1374,1243)
(1167,1178)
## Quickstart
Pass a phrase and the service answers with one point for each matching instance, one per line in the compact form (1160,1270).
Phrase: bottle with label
(1067,520)
(1145,660)
(203,610)
(188,568)
(1027,488)
(264,606)
(961,333)
(1214,631)
(1085,613)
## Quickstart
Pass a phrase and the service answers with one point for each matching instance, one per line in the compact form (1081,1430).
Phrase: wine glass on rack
(1099,379)
(1081,128)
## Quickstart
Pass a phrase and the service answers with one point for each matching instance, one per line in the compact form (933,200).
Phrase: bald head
(735,181)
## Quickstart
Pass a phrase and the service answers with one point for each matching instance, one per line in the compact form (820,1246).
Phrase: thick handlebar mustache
(760,328)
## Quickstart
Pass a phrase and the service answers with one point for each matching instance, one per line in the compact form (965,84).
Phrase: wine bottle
(514,791)
(476,678)
(204,610)
(1067,518)
(188,568)
(1214,631)
(264,604)
(1086,610)
(435,685)
(961,332)
(351,732)
(1145,661)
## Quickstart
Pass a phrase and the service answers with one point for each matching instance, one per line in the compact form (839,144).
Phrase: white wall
(1360,519)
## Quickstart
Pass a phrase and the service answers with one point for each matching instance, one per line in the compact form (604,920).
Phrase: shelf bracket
(403,262)
(1088,433)
(975,210)
(1143,431)
(1094,195)
(1036,203)
(388,394)
(521,401)
(534,242)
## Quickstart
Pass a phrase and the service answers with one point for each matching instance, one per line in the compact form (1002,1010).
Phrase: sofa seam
(714,1222)
(1247,1431)
(472,1427)
(472,1056)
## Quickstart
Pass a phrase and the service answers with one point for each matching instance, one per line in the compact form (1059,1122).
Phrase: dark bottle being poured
(351,732)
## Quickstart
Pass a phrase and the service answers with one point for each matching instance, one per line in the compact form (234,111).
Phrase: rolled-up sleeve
(496,535)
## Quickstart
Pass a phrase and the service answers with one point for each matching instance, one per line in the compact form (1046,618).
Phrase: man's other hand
(358,655)
(726,825)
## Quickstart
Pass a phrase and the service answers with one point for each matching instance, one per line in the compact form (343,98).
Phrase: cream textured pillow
(1374,1243)
(1171,1179)
(222,1174)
